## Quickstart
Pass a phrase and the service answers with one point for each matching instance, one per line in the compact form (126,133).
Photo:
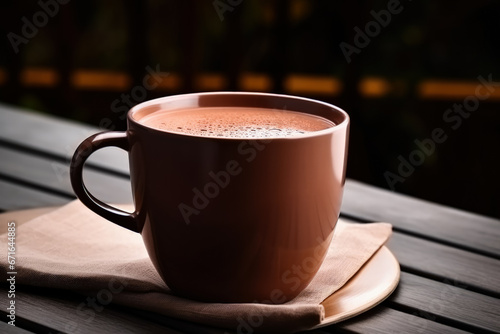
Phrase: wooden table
(450,259)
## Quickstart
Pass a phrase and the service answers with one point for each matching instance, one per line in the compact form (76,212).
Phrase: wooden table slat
(434,221)
(453,264)
(69,313)
(54,136)
(9,329)
(55,175)
(17,197)
(386,320)
(448,301)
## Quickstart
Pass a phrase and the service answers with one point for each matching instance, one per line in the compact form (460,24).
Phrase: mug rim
(178,98)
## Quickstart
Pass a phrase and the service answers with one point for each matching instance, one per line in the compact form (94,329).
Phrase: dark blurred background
(401,69)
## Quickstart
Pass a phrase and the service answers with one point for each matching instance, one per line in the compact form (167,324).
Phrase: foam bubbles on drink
(238,122)
(239,132)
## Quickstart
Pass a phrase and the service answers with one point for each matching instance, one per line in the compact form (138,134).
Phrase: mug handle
(83,151)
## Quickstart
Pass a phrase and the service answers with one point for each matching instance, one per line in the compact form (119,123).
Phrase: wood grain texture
(17,197)
(450,301)
(386,320)
(55,175)
(63,312)
(8,329)
(430,220)
(55,136)
(432,259)
(470,270)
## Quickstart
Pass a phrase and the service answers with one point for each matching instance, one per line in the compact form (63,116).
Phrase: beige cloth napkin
(73,248)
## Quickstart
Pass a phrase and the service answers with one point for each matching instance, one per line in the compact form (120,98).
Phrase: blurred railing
(169,83)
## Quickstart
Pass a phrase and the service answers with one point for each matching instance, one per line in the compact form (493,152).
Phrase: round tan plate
(373,283)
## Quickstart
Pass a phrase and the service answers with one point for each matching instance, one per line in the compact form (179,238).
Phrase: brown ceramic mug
(229,219)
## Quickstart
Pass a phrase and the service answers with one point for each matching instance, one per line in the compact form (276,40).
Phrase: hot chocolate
(236,122)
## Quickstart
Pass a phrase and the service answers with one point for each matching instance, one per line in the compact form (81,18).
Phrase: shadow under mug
(224,219)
